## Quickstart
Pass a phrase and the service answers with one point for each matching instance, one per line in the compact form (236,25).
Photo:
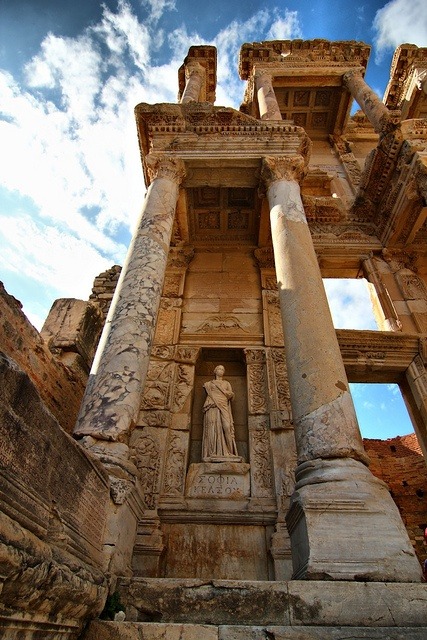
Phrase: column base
(344,525)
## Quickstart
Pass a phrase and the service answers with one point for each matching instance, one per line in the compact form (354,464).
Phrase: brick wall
(400,464)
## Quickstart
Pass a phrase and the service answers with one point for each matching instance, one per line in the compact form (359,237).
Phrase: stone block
(73,325)
(153,631)
(215,602)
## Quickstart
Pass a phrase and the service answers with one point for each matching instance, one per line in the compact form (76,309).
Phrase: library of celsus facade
(218,408)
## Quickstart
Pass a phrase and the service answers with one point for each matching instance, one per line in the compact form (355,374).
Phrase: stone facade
(234,498)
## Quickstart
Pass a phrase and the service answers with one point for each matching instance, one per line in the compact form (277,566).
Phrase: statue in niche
(219,443)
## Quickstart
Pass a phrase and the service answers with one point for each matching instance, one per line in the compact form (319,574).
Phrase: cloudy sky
(71,72)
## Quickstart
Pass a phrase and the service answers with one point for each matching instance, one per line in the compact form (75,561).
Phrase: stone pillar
(374,109)
(267,101)
(390,320)
(195,75)
(342,521)
(113,394)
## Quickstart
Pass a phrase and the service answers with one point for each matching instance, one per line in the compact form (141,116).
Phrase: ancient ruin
(216,485)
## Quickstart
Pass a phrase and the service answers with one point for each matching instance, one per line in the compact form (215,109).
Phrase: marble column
(338,507)
(112,399)
(267,101)
(374,109)
(194,75)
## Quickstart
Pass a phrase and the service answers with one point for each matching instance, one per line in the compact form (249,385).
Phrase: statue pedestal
(218,480)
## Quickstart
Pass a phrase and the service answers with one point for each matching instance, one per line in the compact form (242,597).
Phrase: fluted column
(267,101)
(338,509)
(374,109)
(111,402)
(194,76)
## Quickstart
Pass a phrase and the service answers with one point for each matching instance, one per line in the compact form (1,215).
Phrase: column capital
(347,77)
(194,67)
(163,166)
(274,168)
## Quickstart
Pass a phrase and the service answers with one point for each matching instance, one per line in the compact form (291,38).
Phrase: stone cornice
(302,53)
(407,58)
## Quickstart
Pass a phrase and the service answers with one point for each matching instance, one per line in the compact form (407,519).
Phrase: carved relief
(168,320)
(172,286)
(174,476)
(157,387)
(183,385)
(273,321)
(187,354)
(218,323)
(261,470)
(413,288)
(257,389)
(281,379)
(254,355)
(146,457)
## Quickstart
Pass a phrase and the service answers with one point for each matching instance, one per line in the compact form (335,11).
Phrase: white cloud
(285,27)
(158,7)
(47,255)
(396,20)
(70,136)
(350,303)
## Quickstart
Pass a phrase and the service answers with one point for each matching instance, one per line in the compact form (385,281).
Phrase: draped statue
(219,443)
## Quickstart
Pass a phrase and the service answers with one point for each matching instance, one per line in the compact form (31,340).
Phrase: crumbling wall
(60,387)
(54,502)
(400,464)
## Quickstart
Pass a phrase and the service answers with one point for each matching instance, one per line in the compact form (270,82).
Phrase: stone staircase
(193,609)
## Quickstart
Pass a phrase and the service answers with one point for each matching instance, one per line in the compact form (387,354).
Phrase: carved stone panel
(228,480)
(260,457)
(258,402)
(168,323)
(272,318)
(175,464)
(147,446)
(157,390)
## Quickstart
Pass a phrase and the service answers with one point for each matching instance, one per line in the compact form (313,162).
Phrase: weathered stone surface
(295,603)
(155,631)
(73,327)
(100,630)
(207,602)
(51,522)
(60,388)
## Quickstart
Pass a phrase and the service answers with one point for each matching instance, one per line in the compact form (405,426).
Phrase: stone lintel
(376,356)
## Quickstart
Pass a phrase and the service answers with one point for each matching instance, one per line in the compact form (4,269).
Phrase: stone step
(282,604)
(102,630)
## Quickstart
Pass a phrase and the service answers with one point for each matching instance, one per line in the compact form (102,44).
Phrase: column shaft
(111,402)
(195,75)
(267,101)
(374,109)
(338,509)
(322,408)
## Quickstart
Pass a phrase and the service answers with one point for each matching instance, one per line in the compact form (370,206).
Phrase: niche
(235,372)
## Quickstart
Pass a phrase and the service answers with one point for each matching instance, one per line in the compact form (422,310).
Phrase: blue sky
(71,73)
